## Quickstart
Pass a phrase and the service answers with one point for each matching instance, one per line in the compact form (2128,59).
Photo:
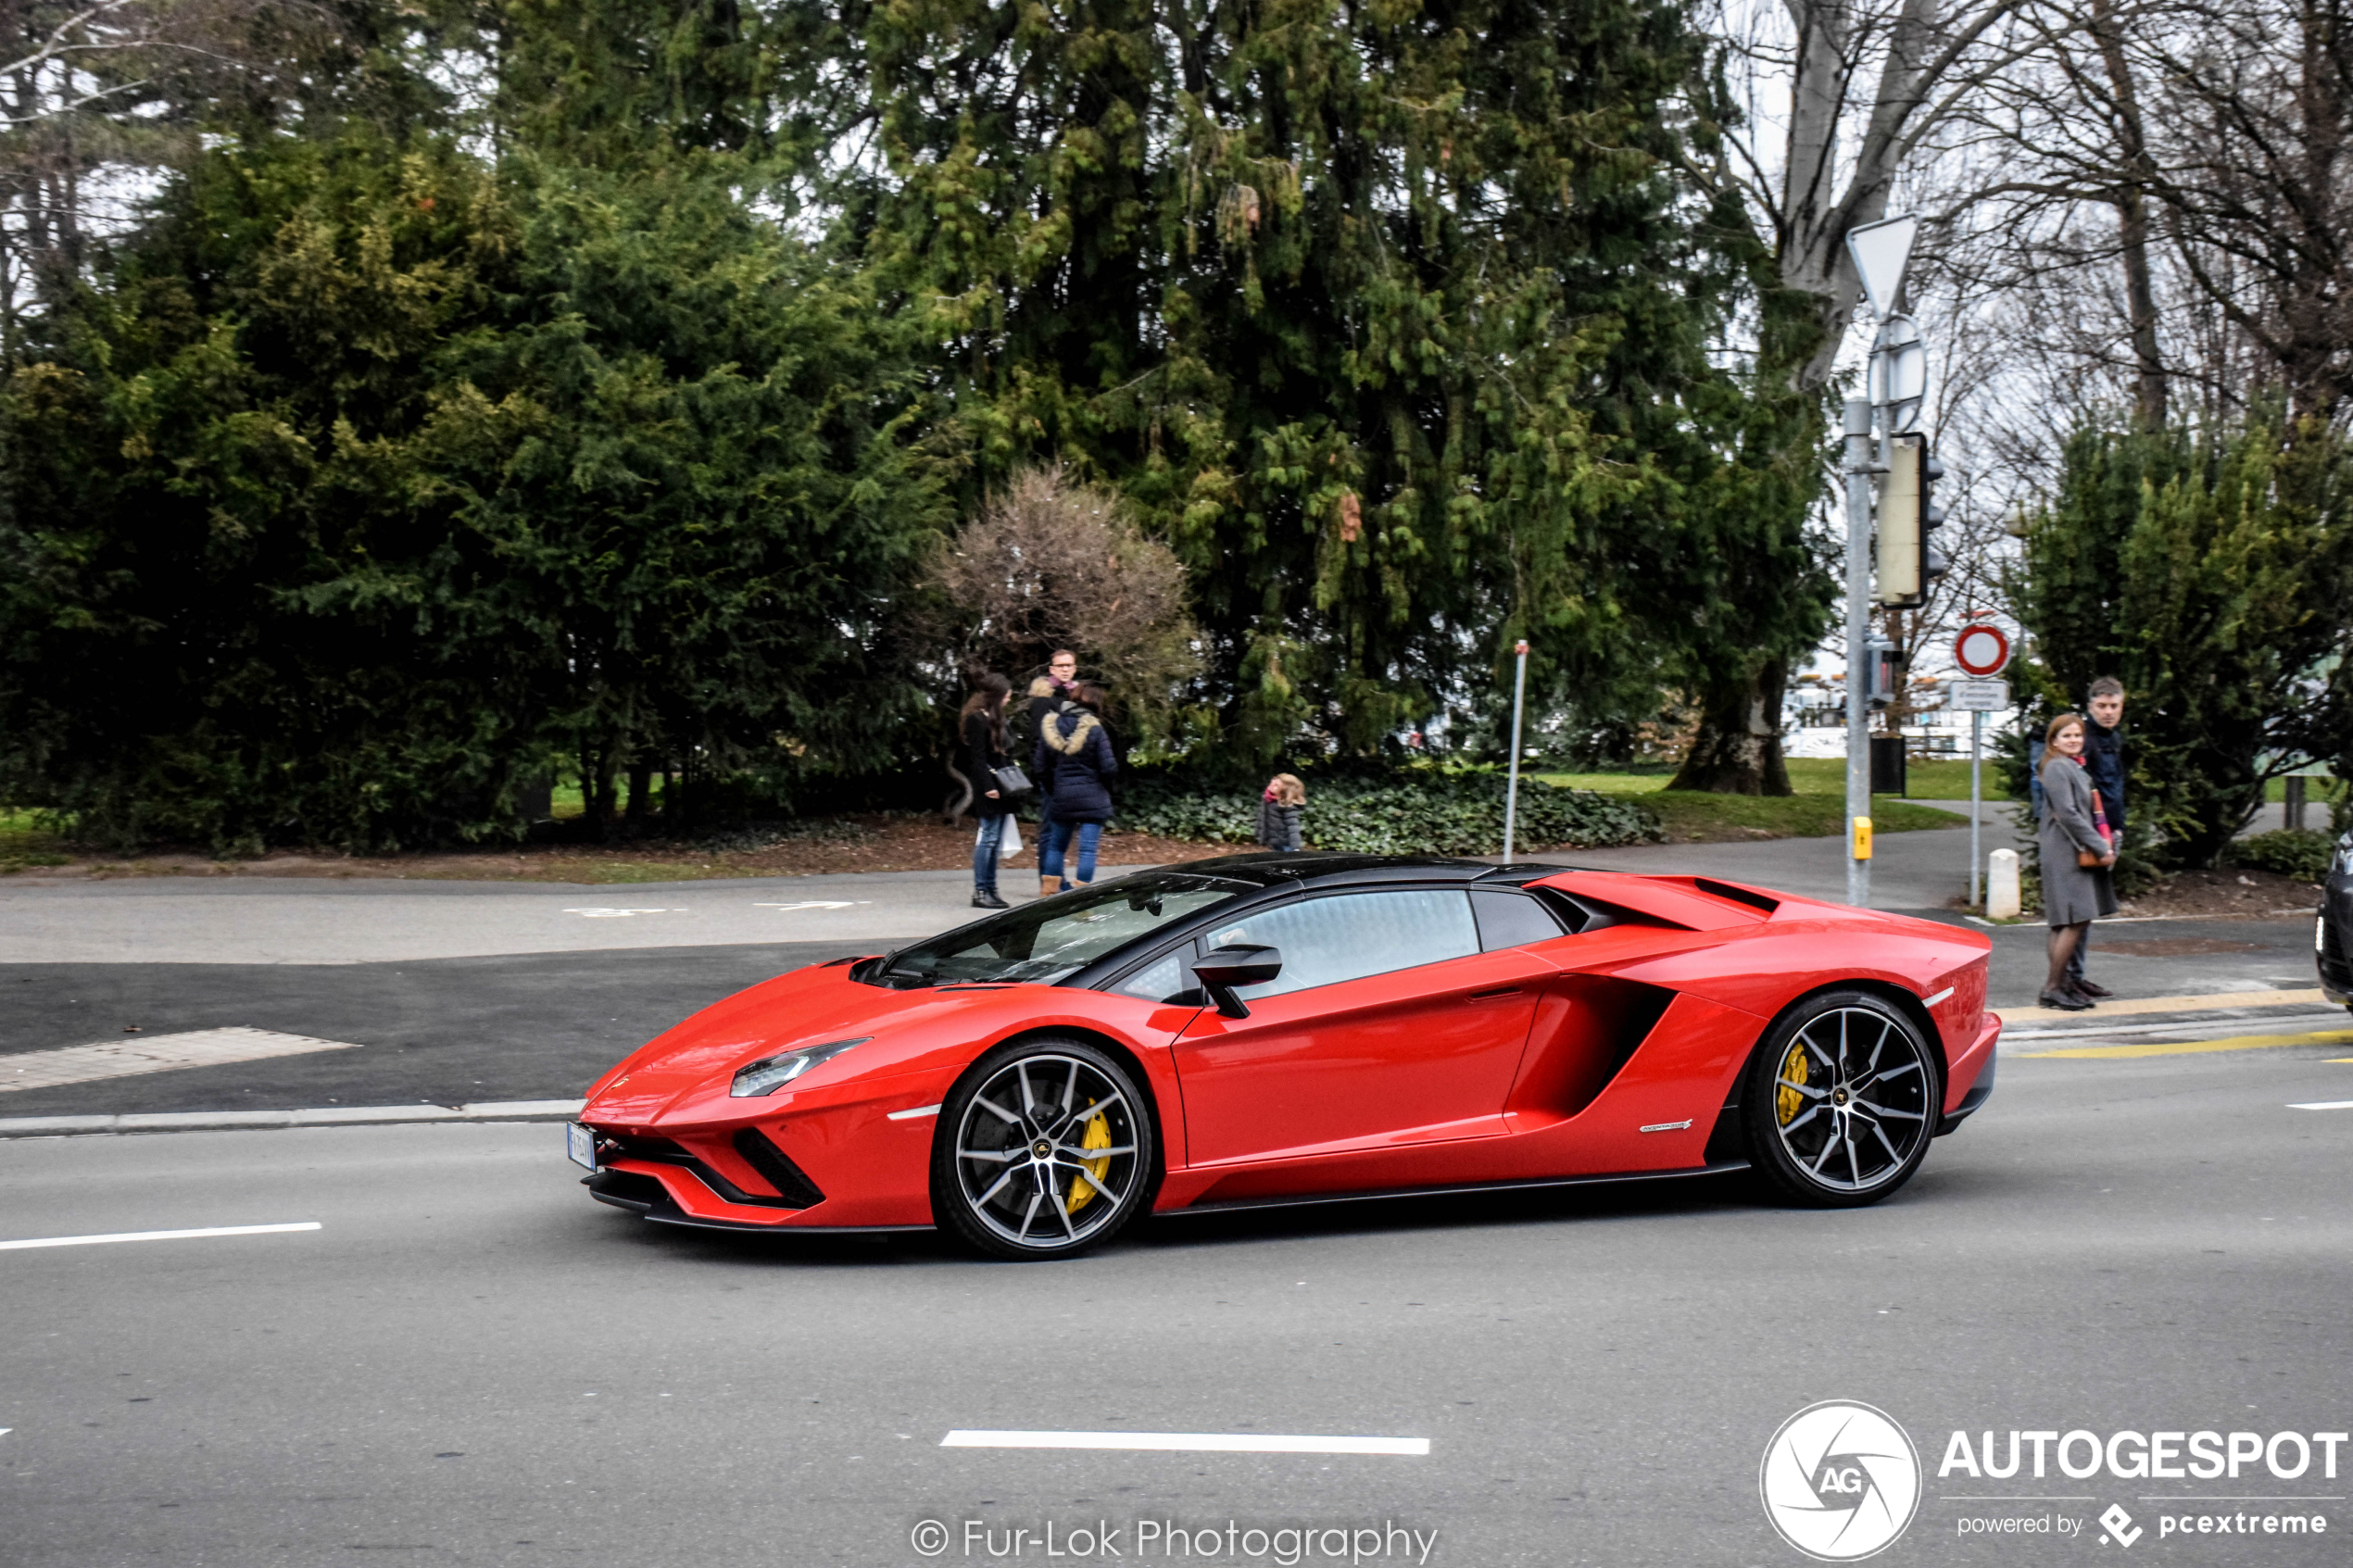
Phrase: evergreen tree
(1390,318)
(2212,573)
(372,480)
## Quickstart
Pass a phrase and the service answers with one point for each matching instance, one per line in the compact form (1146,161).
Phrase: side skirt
(1390,1194)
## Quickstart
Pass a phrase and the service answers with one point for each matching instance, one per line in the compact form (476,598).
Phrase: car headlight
(772,1073)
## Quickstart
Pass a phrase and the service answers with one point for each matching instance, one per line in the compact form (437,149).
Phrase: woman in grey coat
(2073,895)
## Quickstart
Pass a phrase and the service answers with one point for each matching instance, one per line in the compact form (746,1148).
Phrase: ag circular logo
(1840,1481)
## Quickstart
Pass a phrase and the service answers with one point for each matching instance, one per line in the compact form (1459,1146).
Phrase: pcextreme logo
(1841,1481)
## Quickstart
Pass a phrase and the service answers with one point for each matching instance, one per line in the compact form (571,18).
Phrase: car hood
(807,1007)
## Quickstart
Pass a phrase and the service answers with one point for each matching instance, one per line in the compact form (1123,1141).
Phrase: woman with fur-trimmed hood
(1076,753)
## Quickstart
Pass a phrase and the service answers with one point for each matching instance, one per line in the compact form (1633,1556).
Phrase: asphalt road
(471,1362)
(542,1025)
(449,1031)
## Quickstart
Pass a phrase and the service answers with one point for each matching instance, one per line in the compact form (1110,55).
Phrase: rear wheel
(1842,1099)
(1044,1149)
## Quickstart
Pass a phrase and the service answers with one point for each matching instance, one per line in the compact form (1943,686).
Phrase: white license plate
(581,1145)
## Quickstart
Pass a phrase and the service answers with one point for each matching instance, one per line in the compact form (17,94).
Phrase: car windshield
(1054,938)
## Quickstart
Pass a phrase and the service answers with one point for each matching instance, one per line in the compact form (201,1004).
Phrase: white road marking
(600,912)
(2325,1105)
(154,1053)
(911,1115)
(1188,1442)
(818,904)
(157,1235)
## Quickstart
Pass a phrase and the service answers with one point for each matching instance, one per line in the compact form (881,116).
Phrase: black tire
(1858,1136)
(1006,1177)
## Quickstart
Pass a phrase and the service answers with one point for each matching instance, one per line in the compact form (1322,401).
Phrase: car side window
(1171,977)
(1350,936)
(1511,918)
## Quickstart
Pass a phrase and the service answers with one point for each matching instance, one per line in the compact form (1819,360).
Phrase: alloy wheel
(1046,1154)
(1851,1099)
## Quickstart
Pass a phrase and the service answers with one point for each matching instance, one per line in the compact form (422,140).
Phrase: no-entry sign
(1981,651)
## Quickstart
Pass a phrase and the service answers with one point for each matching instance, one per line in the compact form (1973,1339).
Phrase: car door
(1388,1026)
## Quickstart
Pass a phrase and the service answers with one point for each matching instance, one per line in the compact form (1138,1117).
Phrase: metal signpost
(1511,786)
(1981,651)
(1897,381)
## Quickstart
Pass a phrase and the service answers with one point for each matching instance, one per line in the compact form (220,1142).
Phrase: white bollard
(2001,885)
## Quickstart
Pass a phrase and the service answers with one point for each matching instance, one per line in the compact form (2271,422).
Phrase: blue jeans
(1058,835)
(992,831)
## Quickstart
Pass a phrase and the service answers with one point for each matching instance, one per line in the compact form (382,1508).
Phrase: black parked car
(2333,939)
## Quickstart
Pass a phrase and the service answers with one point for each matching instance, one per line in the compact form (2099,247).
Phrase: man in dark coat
(2104,760)
(1048,694)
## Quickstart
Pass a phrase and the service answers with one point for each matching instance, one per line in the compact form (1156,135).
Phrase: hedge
(1431,813)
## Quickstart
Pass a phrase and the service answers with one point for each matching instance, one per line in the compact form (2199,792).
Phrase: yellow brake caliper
(1788,1101)
(1098,1135)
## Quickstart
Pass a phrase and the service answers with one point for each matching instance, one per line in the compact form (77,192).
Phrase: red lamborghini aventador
(1296,1028)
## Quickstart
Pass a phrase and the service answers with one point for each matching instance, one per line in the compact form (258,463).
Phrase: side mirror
(1221,970)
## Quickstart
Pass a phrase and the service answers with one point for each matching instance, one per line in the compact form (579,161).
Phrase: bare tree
(1052,564)
(95,96)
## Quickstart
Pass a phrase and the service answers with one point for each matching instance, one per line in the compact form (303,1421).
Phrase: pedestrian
(982,723)
(1048,694)
(2078,847)
(1083,761)
(1279,810)
(2104,760)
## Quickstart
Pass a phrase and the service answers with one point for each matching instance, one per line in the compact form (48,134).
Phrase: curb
(329,1116)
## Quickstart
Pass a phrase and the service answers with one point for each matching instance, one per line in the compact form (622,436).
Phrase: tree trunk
(641,792)
(2132,221)
(1737,750)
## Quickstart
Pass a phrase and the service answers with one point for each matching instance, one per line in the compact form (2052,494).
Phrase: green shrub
(1426,813)
(2296,852)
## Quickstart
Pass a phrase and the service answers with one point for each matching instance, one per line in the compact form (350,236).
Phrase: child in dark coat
(1279,810)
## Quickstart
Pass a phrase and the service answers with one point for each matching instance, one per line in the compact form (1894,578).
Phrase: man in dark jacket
(1048,694)
(2104,760)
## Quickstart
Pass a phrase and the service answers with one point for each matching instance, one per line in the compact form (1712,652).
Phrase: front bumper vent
(794,1188)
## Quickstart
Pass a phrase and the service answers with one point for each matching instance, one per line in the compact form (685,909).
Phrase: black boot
(986,898)
(2066,1001)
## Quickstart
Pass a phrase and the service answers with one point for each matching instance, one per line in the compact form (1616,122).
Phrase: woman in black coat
(1076,749)
(982,727)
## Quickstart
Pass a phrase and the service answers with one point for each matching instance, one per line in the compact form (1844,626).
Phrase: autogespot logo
(1840,1481)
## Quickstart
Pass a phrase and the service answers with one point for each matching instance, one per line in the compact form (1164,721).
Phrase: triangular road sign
(1881,251)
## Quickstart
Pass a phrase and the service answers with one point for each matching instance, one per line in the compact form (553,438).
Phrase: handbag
(2085,857)
(1012,781)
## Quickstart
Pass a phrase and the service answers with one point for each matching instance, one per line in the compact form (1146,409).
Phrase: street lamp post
(1858,467)
(1897,380)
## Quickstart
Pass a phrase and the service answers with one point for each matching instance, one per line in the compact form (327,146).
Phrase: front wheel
(1842,1099)
(1044,1149)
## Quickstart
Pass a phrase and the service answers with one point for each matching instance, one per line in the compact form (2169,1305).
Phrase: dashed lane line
(158,1236)
(155,1053)
(1189,1442)
(2194,1047)
(2325,1105)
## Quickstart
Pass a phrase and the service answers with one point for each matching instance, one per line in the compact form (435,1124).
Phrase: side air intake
(793,1185)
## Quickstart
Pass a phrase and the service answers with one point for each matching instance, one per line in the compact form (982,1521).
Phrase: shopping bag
(1009,838)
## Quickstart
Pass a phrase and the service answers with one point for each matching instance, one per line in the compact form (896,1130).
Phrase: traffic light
(1909,562)
(1883,665)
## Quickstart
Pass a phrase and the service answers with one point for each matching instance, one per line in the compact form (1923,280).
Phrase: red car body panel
(1609,1052)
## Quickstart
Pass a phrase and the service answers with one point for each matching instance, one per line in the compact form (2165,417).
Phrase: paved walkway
(305,921)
